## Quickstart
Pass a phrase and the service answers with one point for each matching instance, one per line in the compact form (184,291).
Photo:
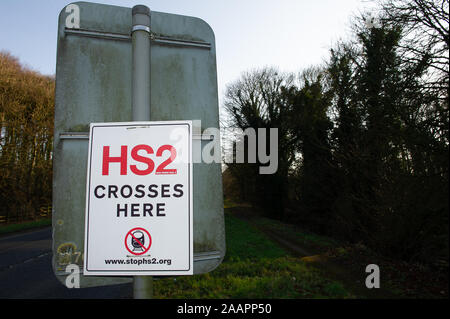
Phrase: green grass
(254,267)
(314,242)
(311,241)
(244,241)
(10,228)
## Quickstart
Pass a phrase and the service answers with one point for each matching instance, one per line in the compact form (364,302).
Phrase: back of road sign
(93,84)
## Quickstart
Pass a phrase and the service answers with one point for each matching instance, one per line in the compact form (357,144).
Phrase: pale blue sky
(289,34)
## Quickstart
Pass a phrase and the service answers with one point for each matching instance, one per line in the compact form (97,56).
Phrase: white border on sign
(140,124)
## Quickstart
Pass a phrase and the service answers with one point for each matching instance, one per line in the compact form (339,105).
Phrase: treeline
(26,137)
(363,140)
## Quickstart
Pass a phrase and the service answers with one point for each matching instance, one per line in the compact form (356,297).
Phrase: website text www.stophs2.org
(139,262)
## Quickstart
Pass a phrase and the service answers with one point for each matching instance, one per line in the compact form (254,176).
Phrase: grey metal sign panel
(94,84)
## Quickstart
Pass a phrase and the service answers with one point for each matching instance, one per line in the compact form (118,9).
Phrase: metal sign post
(140,42)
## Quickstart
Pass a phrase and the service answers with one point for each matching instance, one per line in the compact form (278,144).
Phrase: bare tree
(425,24)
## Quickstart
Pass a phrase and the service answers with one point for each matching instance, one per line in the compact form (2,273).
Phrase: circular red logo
(138,241)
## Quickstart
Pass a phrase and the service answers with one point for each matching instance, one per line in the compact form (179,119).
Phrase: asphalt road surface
(26,271)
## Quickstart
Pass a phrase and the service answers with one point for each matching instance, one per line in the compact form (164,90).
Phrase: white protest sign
(139,213)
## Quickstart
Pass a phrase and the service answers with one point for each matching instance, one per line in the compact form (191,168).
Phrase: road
(26,271)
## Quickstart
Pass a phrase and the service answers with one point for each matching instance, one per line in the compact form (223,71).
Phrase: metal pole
(140,37)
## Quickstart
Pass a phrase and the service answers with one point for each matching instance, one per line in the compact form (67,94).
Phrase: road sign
(139,199)
(94,85)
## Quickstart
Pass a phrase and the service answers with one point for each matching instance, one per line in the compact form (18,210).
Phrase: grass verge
(11,228)
(254,267)
(346,263)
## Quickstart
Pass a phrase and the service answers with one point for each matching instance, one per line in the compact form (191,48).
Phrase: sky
(250,34)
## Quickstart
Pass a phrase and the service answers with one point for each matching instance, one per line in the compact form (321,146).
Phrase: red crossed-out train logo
(138,241)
